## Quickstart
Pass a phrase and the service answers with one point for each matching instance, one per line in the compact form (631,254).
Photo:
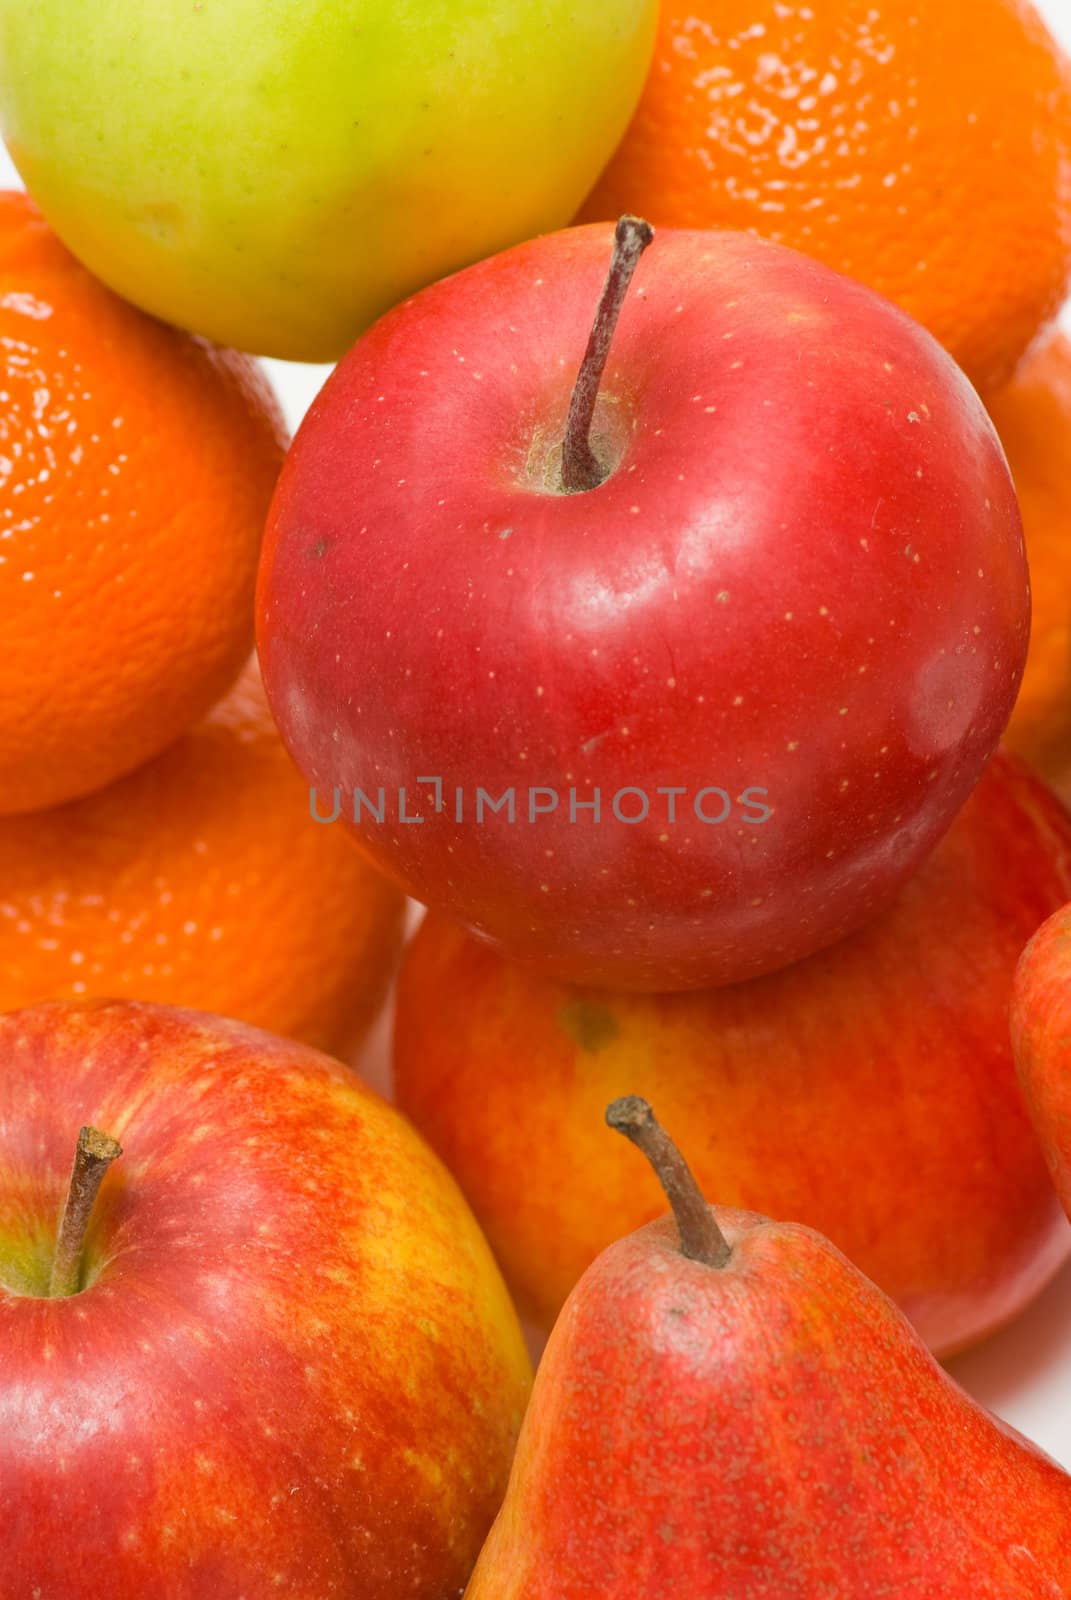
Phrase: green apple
(275,173)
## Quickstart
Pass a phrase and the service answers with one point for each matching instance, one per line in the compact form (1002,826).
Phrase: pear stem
(93,1155)
(701,1238)
(580,469)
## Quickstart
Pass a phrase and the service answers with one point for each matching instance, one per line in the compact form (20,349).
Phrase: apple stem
(580,469)
(93,1155)
(701,1238)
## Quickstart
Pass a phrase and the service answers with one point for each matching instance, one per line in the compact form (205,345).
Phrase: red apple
(798,600)
(279,1360)
(868,1091)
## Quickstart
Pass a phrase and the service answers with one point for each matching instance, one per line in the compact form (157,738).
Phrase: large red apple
(868,1091)
(777,642)
(282,1362)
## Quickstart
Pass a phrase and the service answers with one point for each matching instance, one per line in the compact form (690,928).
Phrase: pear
(728,1408)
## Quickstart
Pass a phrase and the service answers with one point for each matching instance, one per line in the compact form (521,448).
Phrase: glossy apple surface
(804,575)
(275,174)
(292,1368)
(868,1091)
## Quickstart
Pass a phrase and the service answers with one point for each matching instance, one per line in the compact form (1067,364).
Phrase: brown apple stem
(580,468)
(701,1238)
(93,1155)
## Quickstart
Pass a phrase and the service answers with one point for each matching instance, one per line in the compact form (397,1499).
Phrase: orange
(924,148)
(201,880)
(1033,417)
(136,467)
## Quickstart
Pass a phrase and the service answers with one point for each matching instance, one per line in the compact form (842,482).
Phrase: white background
(1024,1374)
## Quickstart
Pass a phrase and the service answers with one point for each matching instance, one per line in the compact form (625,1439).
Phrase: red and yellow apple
(283,1362)
(1041,1036)
(868,1091)
(776,644)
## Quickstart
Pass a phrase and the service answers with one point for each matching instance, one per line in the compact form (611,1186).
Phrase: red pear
(729,1410)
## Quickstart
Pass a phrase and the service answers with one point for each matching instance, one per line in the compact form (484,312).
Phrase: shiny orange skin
(1041,1036)
(769,1430)
(136,468)
(1033,417)
(293,1367)
(868,1091)
(925,150)
(201,880)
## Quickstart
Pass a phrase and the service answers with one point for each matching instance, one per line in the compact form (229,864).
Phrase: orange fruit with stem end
(136,468)
(924,149)
(201,880)
(1033,417)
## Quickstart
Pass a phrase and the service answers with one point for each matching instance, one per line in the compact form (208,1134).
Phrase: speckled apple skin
(773,1430)
(805,575)
(295,1370)
(1041,1035)
(868,1092)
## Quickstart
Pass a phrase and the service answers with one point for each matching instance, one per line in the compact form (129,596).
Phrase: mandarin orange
(201,880)
(924,148)
(1033,417)
(136,468)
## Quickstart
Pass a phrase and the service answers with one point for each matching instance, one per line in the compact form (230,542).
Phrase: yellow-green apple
(729,1410)
(868,1092)
(1041,1038)
(274,1356)
(275,174)
(669,677)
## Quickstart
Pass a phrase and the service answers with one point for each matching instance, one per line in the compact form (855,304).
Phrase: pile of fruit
(646,594)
